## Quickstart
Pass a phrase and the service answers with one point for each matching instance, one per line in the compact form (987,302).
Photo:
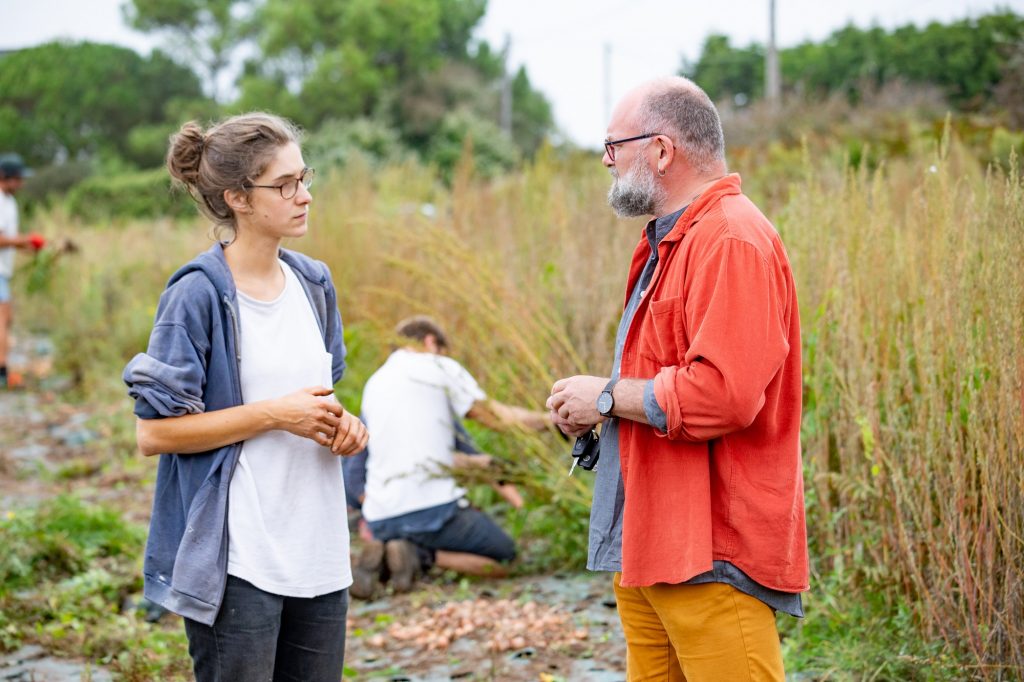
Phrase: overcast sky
(563,43)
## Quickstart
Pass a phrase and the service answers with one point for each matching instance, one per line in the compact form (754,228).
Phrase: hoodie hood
(213,264)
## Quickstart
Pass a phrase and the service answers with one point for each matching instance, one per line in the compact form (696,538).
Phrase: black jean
(470,531)
(261,636)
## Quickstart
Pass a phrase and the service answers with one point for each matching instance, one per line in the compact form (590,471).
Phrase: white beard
(637,192)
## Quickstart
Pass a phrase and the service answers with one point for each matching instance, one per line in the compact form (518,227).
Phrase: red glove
(37,241)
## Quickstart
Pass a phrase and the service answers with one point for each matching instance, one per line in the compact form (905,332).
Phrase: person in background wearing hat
(12,171)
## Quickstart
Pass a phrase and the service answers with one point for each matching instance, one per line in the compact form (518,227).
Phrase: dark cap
(12,166)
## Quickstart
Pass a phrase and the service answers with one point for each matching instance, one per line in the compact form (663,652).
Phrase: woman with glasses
(235,393)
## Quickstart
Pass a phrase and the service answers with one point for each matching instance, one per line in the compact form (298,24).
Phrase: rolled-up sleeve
(168,379)
(735,314)
(655,415)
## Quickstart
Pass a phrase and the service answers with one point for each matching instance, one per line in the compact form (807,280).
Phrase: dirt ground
(555,627)
(537,627)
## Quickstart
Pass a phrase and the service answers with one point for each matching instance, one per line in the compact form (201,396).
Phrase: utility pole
(772,77)
(607,83)
(506,88)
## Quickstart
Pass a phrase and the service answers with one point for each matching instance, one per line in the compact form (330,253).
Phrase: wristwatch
(605,401)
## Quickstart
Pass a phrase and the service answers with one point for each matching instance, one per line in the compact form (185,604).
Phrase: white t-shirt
(9,229)
(287,522)
(408,406)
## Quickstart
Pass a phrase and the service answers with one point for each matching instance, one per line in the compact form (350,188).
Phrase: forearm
(194,433)
(464,461)
(629,400)
(573,402)
(16,242)
(506,416)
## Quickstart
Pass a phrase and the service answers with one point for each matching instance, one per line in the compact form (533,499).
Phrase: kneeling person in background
(414,508)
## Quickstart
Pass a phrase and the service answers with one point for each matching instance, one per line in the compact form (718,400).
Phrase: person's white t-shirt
(408,406)
(9,229)
(287,522)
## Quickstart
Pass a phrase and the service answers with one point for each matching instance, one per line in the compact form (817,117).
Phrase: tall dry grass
(911,282)
(912,294)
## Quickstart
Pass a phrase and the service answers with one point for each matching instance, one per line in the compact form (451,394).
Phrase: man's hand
(573,404)
(509,493)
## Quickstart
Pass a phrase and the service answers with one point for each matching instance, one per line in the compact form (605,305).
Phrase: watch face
(605,403)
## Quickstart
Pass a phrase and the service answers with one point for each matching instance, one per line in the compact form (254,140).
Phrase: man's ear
(238,200)
(431,344)
(666,152)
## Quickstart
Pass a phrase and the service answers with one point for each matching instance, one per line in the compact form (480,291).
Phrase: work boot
(366,571)
(403,562)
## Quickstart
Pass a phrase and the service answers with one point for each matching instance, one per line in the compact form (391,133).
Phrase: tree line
(399,78)
(379,74)
(975,62)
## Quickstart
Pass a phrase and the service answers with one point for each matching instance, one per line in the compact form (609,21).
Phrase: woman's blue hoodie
(192,366)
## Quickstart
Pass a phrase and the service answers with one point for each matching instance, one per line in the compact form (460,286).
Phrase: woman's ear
(237,200)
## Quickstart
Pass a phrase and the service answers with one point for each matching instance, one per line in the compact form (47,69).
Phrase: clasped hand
(573,404)
(314,413)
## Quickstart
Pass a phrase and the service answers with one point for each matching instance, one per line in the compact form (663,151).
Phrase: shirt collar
(659,227)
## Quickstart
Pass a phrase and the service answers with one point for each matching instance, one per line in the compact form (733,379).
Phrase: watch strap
(609,388)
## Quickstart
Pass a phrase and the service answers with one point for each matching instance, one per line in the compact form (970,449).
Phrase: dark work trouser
(261,636)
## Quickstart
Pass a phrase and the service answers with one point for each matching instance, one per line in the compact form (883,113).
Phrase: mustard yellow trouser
(697,633)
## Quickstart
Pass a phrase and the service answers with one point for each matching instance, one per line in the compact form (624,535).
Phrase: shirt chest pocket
(663,333)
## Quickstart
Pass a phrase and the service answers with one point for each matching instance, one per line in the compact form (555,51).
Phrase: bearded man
(698,504)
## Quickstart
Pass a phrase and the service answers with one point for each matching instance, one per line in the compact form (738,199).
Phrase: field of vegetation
(907,241)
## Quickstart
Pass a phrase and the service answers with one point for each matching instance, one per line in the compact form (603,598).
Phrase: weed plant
(66,571)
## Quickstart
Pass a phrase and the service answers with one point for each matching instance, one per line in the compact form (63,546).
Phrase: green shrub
(59,539)
(52,181)
(336,142)
(1005,144)
(492,151)
(142,194)
(67,570)
(147,143)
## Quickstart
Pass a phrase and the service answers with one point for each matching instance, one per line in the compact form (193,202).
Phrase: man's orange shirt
(719,330)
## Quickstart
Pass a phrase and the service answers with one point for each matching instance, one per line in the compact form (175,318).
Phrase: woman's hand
(309,413)
(351,436)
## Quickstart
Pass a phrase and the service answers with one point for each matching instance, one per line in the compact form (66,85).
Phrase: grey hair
(677,107)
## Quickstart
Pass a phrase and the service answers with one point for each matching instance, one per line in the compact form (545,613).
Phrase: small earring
(661,173)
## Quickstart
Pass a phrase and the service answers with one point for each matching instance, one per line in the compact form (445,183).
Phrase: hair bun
(186,153)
